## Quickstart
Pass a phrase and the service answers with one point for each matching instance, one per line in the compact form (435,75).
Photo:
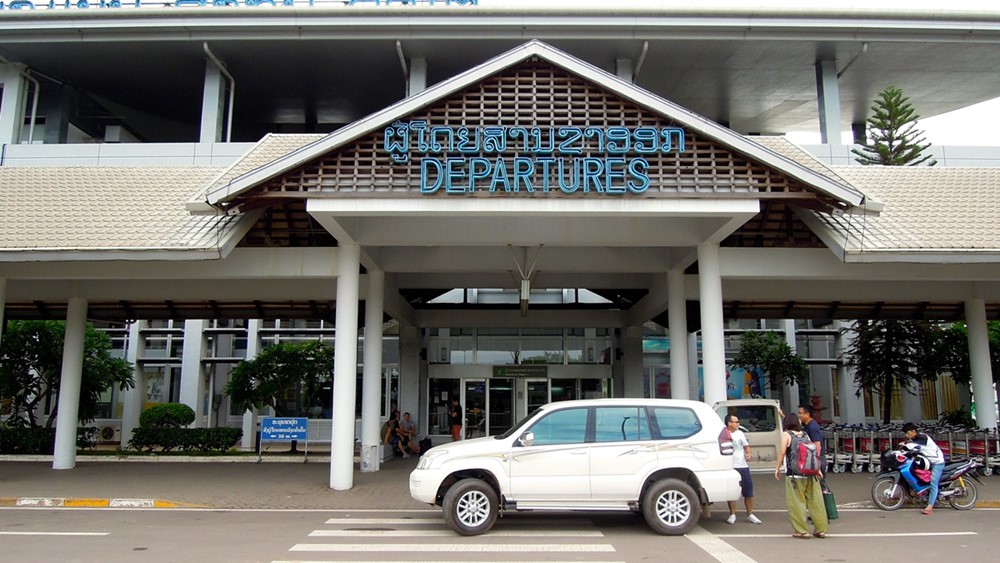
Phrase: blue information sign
(274,429)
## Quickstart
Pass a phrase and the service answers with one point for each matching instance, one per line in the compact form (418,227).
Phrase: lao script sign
(274,429)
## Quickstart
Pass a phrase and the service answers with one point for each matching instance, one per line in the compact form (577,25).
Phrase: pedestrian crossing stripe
(450,534)
(454,547)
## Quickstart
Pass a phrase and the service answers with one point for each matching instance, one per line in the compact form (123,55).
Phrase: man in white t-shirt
(741,455)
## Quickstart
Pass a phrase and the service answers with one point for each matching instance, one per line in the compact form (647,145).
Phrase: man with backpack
(801,460)
(811,427)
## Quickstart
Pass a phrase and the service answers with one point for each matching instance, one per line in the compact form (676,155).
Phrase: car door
(555,466)
(622,453)
(759,419)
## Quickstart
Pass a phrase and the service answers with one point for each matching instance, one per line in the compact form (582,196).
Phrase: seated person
(408,434)
(390,433)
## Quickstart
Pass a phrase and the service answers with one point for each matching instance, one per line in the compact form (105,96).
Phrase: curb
(58,502)
(176,459)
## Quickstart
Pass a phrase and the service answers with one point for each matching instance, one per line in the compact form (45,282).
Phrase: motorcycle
(905,477)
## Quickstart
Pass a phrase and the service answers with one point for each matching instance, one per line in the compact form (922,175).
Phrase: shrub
(185,439)
(166,415)
(28,441)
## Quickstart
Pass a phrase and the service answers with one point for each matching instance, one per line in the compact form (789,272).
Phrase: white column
(409,375)
(633,371)
(417,81)
(213,103)
(790,393)
(852,406)
(69,384)
(249,440)
(713,347)
(192,377)
(345,370)
(371,383)
(133,399)
(623,69)
(983,392)
(12,104)
(680,387)
(828,95)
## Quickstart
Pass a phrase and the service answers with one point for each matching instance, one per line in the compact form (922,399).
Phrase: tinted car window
(755,418)
(674,422)
(567,426)
(615,424)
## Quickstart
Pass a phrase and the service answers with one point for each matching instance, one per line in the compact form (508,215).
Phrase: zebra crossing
(424,537)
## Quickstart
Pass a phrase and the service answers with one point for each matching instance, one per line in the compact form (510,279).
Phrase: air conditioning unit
(109,434)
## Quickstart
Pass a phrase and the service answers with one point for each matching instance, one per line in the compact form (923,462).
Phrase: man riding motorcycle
(923,444)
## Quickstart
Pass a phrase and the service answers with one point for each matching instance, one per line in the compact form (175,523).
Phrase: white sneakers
(406,454)
(753,519)
(731,519)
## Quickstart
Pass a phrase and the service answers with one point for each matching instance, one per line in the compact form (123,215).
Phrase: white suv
(661,456)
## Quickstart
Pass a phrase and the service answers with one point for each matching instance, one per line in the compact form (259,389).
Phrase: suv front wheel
(470,507)
(671,507)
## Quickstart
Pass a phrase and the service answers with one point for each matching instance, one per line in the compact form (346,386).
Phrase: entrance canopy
(533,171)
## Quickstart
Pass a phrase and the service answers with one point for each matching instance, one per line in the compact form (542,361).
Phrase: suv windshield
(517,427)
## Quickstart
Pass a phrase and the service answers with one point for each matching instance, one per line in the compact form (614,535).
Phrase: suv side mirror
(527,439)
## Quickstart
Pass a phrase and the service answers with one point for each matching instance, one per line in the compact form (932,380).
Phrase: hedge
(166,415)
(38,440)
(185,439)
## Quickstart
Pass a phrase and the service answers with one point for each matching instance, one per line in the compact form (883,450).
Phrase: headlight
(427,460)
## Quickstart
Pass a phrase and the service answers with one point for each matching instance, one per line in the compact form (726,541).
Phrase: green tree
(955,347)
(885,353)
(769,352)
(31,366)
(893,137)
(286,377)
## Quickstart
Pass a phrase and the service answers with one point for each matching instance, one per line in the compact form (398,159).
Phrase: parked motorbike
(905,477)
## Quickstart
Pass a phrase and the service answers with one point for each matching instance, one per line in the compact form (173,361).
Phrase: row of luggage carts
(854,449)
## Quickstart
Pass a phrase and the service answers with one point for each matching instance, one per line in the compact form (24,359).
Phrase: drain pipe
(34,100)
(642,59)
(232,89)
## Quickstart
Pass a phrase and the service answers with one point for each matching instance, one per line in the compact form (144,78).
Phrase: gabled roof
(109,213)
(227,187)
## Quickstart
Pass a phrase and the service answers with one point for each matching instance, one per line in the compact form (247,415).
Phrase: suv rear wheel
(470,507)
(671,507)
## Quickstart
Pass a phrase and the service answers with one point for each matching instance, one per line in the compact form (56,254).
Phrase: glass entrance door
(475,408)
(501,403)
(536,394)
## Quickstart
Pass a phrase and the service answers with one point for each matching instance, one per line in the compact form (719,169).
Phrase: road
(391,535)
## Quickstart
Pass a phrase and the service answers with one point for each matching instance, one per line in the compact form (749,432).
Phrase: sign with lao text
(275,429)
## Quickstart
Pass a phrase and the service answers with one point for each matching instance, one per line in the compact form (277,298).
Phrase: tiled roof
(927,209)
(106,208)
(271,148)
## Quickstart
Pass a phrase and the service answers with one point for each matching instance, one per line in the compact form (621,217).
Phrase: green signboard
(531,370)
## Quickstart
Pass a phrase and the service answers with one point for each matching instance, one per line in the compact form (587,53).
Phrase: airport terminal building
(507,203)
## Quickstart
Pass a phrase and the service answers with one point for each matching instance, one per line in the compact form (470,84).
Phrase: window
(615,424)
(675,423)
(568,426)
(755,418)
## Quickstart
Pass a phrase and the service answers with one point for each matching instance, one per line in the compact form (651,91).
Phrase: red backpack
(803,459)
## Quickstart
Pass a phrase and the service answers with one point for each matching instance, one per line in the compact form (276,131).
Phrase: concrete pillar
(133,399)
(12,104)
(371,383)
(213,104)
(713,349)
(632,371)
(345,370)
(410,382)
(624,70)
(912,411)
(983,392)
(249,440)
(417,81)
(852,406)
(790,393)
(69,384)
(192,377)
(680,387)
(828,95)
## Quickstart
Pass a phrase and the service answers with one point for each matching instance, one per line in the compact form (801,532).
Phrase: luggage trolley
(982,448)
(830,450)
(844,455)
(883,443)
(866,454)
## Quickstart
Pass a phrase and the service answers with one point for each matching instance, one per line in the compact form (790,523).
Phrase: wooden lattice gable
(516,112)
